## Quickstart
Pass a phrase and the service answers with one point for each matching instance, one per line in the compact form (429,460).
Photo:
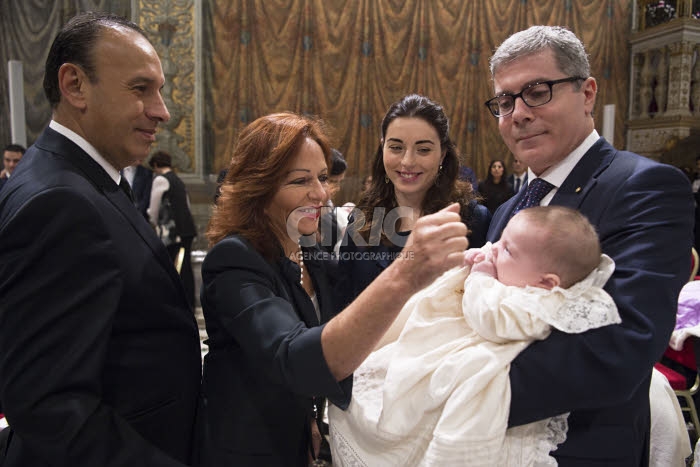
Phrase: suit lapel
(502,215)
(296,294)
(584,177)
(119,199)
(54,142)
(577,185)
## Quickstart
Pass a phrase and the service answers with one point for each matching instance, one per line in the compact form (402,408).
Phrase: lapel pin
(578,189)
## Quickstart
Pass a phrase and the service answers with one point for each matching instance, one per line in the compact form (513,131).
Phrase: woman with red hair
(275,349)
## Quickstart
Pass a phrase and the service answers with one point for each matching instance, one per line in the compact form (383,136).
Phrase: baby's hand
(485,267)
(480,260)
(473,256)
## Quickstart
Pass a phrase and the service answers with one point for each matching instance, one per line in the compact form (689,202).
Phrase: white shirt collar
(557,173)
(129,172)
(88,148)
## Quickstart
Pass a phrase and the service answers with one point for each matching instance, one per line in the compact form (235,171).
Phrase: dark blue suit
(99,351)
(643,212)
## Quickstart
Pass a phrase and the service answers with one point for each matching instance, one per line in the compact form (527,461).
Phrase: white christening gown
(440,394)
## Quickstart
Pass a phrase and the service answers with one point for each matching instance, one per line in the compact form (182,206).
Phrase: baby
(436,391)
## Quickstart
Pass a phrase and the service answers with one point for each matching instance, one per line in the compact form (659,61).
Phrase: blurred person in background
(169,211)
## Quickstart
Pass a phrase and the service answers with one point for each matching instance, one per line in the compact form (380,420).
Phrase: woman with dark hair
(494,189)
(414,173)
(275,348)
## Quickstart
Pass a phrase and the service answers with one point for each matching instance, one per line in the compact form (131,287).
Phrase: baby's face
(517,256)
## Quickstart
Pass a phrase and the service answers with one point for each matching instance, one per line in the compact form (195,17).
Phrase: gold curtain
(348,60)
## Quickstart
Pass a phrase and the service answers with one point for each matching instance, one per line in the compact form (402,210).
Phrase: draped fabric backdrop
(346,61)
(27,29)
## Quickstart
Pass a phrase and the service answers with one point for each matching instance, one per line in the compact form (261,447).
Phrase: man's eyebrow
(142,80)
(527,84)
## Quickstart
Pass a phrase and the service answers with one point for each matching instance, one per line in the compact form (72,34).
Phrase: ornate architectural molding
(663,94)
(654,142)
(171,27)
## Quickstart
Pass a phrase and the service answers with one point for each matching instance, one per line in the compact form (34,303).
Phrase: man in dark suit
(140,179)
(642,211)
(99,351)
(518,178)
(11,156)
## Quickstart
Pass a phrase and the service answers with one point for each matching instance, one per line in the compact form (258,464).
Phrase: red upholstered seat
(684,361)
(685,358)
(676,379)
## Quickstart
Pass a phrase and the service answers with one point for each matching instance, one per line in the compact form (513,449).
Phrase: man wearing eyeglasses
(643,211)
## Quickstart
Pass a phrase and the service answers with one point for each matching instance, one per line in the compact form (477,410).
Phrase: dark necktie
(536,190)
(124,185)
(517,185)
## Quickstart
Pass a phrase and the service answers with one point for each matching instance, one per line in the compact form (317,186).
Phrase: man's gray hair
(569,52)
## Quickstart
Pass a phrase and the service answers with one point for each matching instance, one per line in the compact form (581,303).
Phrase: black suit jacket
(265,363)
(143,180)
(643,212)
(99,351)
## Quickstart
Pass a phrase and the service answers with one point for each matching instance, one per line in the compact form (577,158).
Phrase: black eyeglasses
(533,95)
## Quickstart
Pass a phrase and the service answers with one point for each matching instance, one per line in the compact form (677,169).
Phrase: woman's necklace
(300,260)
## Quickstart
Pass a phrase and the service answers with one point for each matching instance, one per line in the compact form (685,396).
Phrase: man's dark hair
(338,164)
(75,43)
(160,159)
(15,148)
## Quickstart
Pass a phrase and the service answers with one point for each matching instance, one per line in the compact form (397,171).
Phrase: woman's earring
(386,179)
(437,176)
